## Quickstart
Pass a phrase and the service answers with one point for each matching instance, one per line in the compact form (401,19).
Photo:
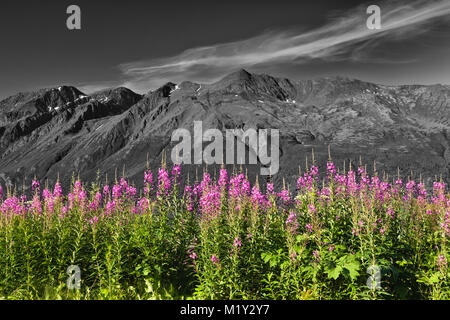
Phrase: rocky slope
(64,132)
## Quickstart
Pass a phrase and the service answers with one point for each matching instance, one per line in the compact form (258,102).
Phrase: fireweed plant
(226,238)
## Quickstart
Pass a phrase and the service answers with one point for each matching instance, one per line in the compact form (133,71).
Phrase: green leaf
(273,263)
(334,273)
(266,256)
(351,265)
(353,270)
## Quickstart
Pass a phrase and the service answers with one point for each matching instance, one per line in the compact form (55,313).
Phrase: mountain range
(62,132)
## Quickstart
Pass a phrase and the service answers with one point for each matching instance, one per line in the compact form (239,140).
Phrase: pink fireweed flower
(95,204)
(313,171)
(187,189)
(421,190)
(285,196)
(441,262)
(258,199)
(13,206)
(82,199)
(197,190)
(148,177)
(49,204)
(143,205)
(193,256)
(410,187)
(123,183)
(131,191)
(245,188)
(210,203)
(445,225)
(148,181)
(384,186)
(78,196)
(237,243)
(189,197)
(77,187)
(111,207)
(256,195)
(235,186)
(316,255)
(325,194)
(352,185)
(116,192)
(291,222)
(270,188)
(206,181)
(331,169)
(340,179)
(35,185)
(293,255)
(223,178)
(312,209)
(214,260)
(236,247)
(375,183)
(305,182)
(439,197)
(176,171)
(164,184)
(106,190)
(300,183)
(438,187)
(46,194)
(390,212)
(309,227)
(361,171)
(364,182)
(57,191)
(94,220)
(36,205)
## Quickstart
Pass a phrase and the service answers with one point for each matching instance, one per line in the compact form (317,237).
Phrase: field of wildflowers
(349,236)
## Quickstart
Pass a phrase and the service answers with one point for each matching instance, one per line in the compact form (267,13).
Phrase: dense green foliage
(227,240)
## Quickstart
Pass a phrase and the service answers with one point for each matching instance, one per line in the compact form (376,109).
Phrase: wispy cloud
(344,37)
(91,88)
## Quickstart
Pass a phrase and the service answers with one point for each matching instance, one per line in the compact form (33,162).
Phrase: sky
(144,44)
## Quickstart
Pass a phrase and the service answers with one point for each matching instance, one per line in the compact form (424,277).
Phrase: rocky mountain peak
(118,96)
(398,126)
(239,75)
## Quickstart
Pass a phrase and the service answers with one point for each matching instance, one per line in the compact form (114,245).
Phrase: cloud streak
(342,38)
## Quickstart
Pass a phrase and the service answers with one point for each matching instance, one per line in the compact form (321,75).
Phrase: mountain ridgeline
(62,132)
